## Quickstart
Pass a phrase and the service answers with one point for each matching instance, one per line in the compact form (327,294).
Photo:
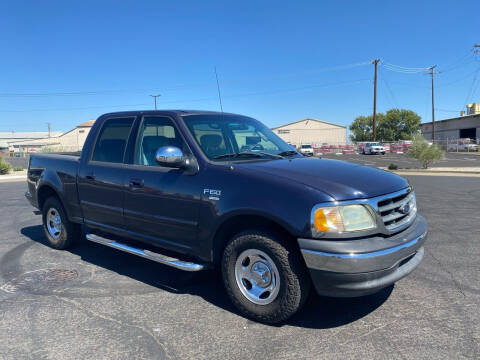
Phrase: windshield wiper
(240,154)
(256,154)
(288,153)
(276,156)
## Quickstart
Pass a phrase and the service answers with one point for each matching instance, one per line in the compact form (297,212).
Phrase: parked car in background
(197,190)
(306,150)
(373,148)
(468,145)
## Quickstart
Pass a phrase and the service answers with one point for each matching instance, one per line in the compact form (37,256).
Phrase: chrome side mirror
(170,156)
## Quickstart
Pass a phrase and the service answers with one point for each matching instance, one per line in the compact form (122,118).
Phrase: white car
(373,148)
(463,145)
(306,150)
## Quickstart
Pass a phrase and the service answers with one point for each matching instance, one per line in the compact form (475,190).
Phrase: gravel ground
(94,302)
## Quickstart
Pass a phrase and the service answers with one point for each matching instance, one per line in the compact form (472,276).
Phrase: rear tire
(264,277)
(60,232)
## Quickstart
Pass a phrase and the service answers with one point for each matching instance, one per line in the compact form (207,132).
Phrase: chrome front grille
(398,211)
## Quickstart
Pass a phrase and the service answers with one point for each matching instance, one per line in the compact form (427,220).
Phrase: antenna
(218,89)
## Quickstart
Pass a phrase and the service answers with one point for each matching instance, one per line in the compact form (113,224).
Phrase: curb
(12,177)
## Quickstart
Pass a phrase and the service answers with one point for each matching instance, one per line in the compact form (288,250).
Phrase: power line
(172,88)
(459,62)
(403,69)
(74,109)
(472,87)
(394,101)
(98,92)
(268,92)
(449,111)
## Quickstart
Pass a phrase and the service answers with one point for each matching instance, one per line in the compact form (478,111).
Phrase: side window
(154,133)
(112,140)
(210,137)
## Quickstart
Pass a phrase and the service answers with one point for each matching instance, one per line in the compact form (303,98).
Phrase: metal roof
(88,123)
(6,137)
(308,119)
(28,135)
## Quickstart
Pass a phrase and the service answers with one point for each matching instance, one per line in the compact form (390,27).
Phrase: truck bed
(58,170)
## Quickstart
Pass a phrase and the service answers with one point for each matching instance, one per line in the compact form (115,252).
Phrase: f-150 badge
(212,194)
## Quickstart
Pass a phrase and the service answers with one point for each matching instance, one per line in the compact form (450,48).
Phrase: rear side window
(112,140)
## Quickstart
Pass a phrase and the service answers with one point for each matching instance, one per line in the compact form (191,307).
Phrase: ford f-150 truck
(198,190)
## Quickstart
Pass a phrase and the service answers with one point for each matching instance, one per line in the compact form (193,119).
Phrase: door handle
(90,176)
(135,183)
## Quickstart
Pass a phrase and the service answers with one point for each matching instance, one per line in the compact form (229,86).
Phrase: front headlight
(339,219)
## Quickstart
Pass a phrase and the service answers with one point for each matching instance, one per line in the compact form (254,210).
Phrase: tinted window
(210,137)
(218,135)
(112,140)
(155,133)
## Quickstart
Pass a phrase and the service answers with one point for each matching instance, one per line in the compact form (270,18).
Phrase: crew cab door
(161,204)
(101,176)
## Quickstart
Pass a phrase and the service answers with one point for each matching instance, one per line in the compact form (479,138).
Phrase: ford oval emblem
(405,209)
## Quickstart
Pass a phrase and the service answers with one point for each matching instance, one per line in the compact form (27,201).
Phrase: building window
(81,131)
(284,131)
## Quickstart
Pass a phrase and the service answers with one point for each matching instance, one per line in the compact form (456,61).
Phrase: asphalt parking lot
(95,302)
(452,159)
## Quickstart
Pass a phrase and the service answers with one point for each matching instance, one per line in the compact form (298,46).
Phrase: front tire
(264,277)
(60,232)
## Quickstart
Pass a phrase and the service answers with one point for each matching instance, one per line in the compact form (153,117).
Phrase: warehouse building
(6,137)
(312,131)
(461,127)
(70,141)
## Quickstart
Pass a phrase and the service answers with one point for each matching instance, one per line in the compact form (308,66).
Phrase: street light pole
(155,99)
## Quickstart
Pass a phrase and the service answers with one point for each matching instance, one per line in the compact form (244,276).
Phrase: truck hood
(339,179)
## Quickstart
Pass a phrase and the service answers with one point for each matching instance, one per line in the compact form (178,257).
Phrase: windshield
(375,144)
(222,135)
(306,146)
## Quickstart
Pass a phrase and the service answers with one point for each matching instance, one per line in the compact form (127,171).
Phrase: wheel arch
(236,223)
(46,191)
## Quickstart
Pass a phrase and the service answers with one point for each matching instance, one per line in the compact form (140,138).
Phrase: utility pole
(155,99)
(49,128)
(432,73)
(375,63)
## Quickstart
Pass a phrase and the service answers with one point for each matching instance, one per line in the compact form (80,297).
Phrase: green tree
(399,124)
(396,124)
(362,127)
(424,152)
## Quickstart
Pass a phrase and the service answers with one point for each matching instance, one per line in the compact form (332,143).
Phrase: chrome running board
(162,259)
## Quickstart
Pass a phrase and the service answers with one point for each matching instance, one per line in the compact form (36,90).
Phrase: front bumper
(30,199)
(358,267)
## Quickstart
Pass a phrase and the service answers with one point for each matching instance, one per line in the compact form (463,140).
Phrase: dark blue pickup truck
(197,190)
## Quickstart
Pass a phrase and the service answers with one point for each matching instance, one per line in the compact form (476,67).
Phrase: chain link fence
(459,144)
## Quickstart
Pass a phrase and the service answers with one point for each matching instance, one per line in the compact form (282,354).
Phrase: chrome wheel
(54,223)
(257,276)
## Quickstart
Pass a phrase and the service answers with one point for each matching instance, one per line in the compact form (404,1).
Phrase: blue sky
(66,62)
